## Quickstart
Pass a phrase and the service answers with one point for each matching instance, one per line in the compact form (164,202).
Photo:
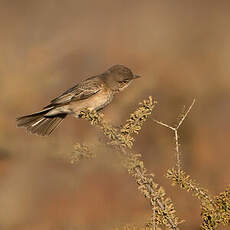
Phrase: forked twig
(175,130)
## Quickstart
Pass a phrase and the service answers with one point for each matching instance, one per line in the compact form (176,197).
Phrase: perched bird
(94,93)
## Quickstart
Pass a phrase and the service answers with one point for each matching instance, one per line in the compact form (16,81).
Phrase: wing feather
(81,91)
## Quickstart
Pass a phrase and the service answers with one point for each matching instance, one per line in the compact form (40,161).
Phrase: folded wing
(80,91)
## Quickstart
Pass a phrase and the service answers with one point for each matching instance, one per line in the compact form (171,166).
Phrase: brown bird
(94,93)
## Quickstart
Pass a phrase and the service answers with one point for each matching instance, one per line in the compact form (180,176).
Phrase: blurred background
(182,51)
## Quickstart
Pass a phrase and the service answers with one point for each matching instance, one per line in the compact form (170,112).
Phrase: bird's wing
(80,91)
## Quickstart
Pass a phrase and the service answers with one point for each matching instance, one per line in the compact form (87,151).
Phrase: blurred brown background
(182,50)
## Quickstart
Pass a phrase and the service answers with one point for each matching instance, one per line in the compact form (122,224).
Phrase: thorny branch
(214,209)
(122,141)
(140,176)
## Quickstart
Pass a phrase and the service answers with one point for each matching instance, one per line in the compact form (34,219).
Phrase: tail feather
(38,123)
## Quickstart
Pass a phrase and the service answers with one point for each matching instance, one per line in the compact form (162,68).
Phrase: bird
(93,94)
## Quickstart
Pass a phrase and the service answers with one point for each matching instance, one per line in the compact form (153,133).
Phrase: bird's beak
(136,76)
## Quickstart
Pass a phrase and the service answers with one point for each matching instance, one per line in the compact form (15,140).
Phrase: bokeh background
(182,50)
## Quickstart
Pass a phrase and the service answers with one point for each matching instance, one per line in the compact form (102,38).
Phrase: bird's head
(118,77)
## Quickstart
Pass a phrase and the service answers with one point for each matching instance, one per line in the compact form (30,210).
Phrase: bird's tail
(39,123)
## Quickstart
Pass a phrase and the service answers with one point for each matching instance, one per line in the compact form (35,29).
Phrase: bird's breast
(100,100)
(95,102)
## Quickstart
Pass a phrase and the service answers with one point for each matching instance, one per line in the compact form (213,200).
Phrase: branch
(121,140)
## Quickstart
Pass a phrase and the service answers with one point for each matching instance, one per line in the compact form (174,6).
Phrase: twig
(175,130)
(185,115)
